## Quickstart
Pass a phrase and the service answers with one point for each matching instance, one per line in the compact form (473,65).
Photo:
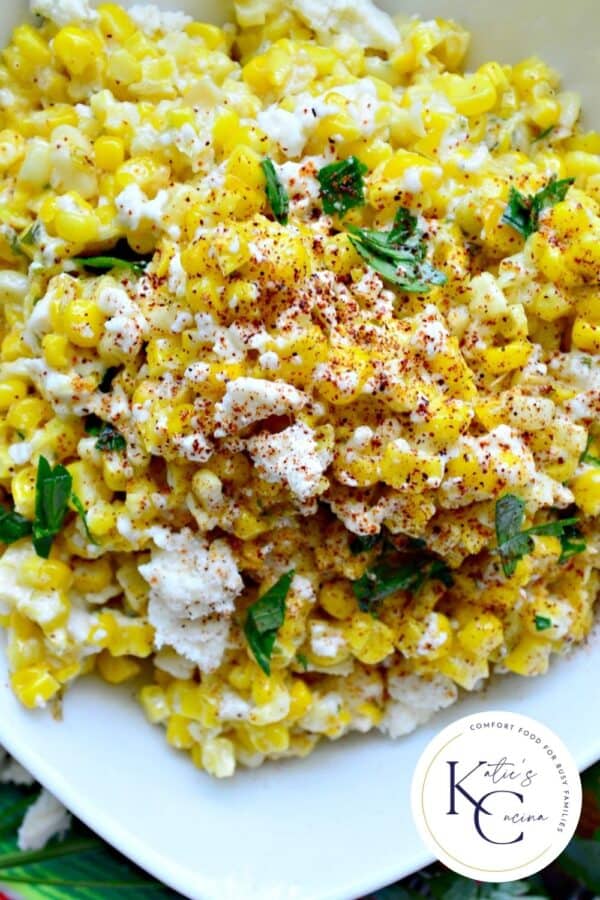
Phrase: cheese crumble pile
(299,379)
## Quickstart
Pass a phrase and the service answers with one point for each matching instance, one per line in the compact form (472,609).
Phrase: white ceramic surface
(335,825)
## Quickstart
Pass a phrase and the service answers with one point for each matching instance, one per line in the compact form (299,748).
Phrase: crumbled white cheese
(323,715)
(193,585)
(284,129)
(177,282)
(291,457)
(249,400)
(326,640)
(64,12)
(126,326)
(432,638)
(197,372)
(269,360)
(414,700)
(232,707)
(20,453)
(360,19)
(150,19)
(134,207)
(45,818)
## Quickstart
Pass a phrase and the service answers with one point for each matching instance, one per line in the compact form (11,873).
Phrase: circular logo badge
(496,796)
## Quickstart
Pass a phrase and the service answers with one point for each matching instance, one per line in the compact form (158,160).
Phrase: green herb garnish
(109,376)
(264,619)
(13,526)
(544,134)
(572,542)
(586,456)
(388,576)
(342,186)
(302,660)
(362,543)
(108,436)
(52,495)
(108,263)
(514,543)
(398,254)
(81,512)
(523,211)
(276,193)
(542,623)
(31,236)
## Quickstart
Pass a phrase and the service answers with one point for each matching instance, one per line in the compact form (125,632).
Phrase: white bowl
(338,824)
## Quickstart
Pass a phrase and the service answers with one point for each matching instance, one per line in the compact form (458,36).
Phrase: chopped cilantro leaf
(586,456)
(80,510)
(542,623)
(302,660)
(13,526)
(389,576)
(276,193)
(52,495)
(31,236)
(513,543)
(544,134)
(264,619)
(342,186)
(108,263)
(572,542)
(398,254)
(361,543)
(108,436)
(523,211)
(109,376)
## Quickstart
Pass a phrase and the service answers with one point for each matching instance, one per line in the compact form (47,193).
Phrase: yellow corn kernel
(11,390)
(122,636)
(77,223)
(406,469)
(369,639)
(550,303)
(273,738)
(154,703)
(116,670)
(178,733)
(26,414)
(14,347)
(84,322)
(216,756)
(56,350)
(77,48)
(586,488)
(248,526)
(22,488)
(92,576)
(46,574)
(337,598)
(34,686)
(500,360)
(114,22)
(529,657)
(300,700)
(101,518)
(32,45)
(211,36)
(109,152)
(481,634)
(472,95)
(586,336)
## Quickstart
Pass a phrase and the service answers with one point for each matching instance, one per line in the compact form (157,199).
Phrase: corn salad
(299,379)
